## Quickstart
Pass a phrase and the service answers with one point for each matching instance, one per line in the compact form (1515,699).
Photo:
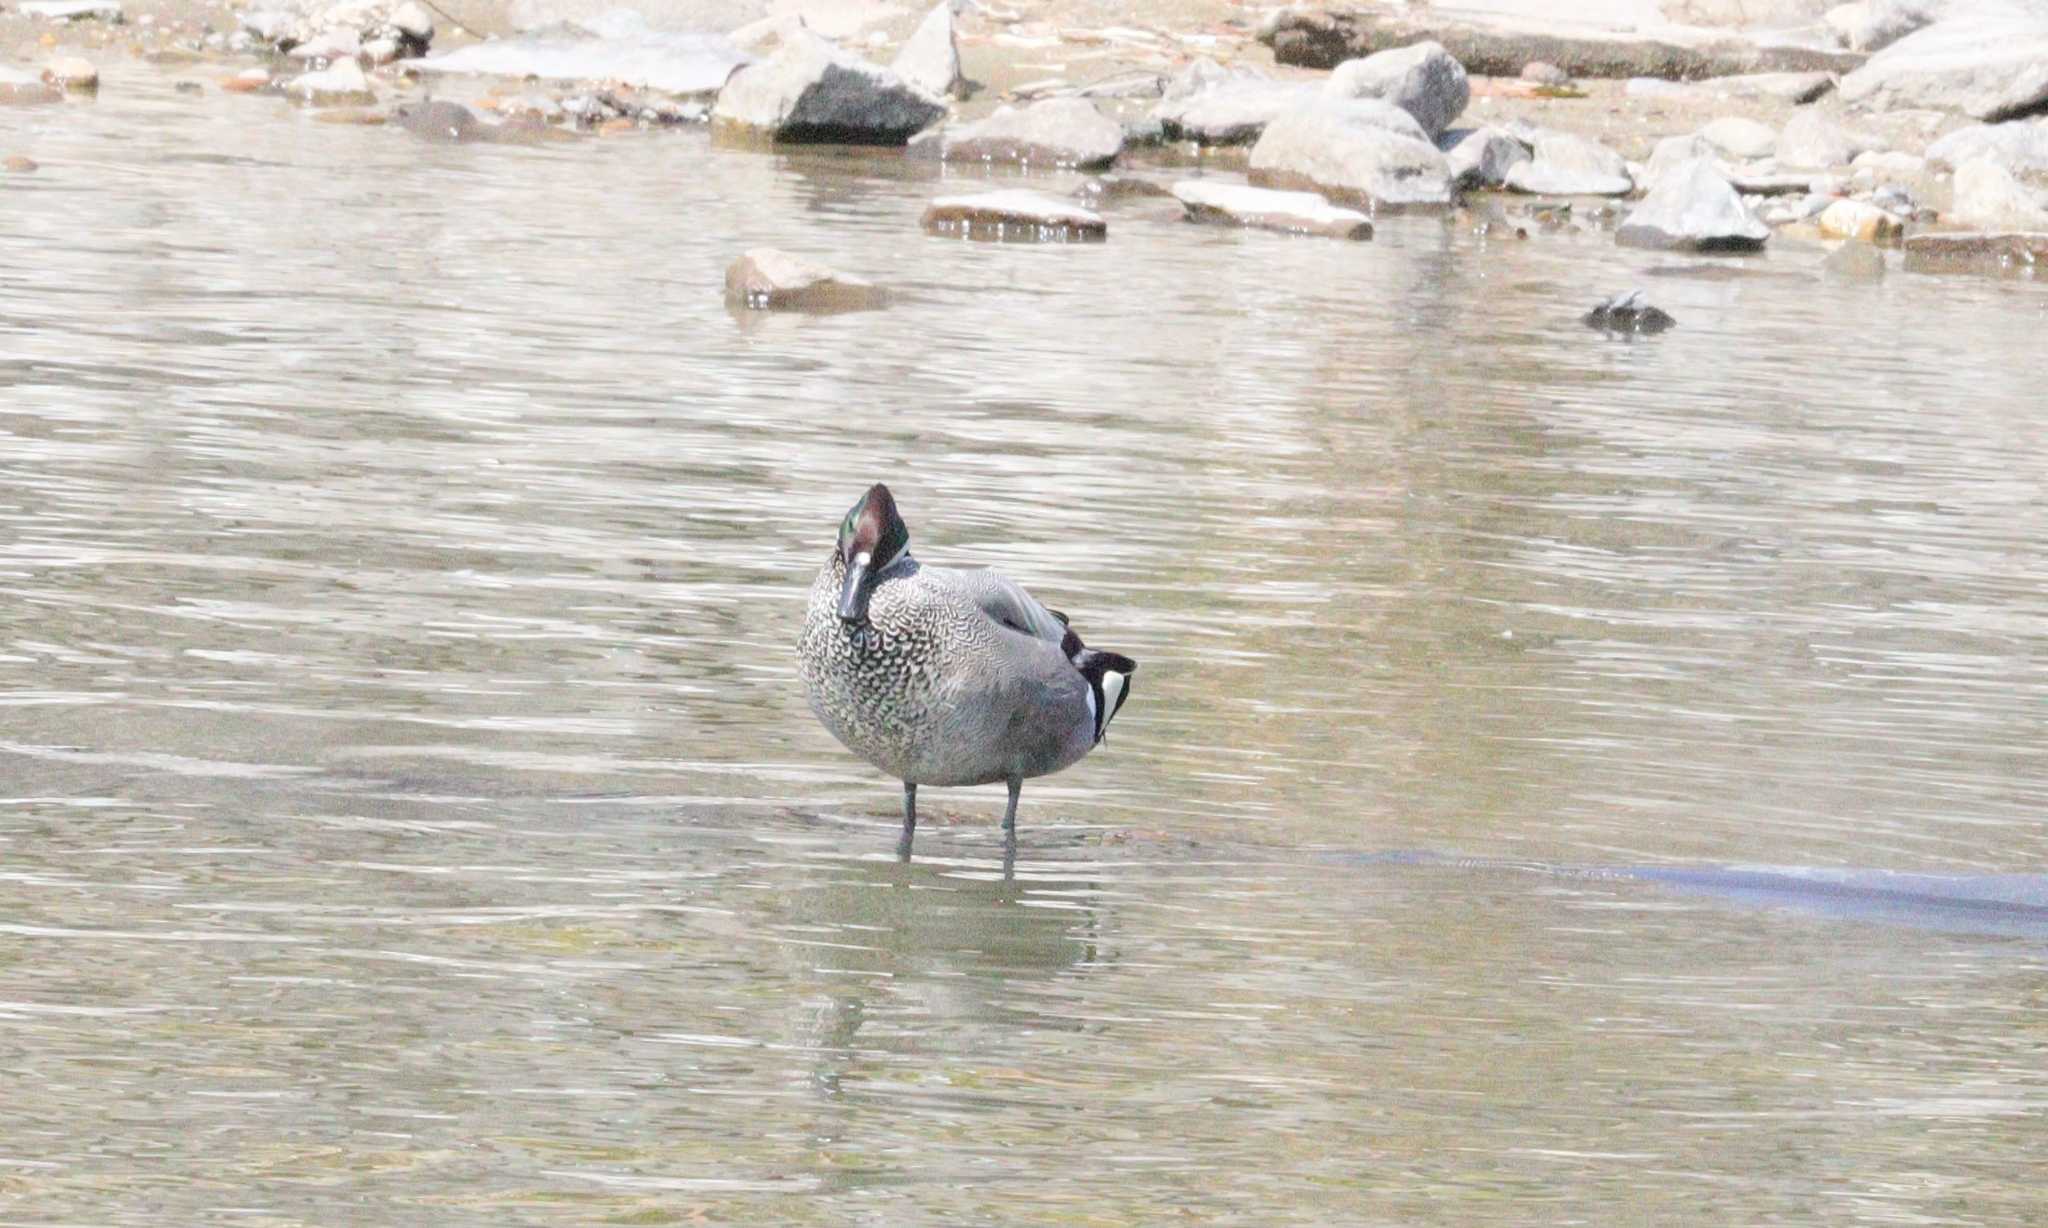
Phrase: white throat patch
(1112,695)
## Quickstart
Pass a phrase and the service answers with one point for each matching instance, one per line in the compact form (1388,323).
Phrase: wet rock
(1628,313)
(339,85)
(74,73)
(1481,157)
(812,91)
(1854,262)
(20,164)
(1793,87)
(1566,165)
(1542,72)
(248,81)
(1987,196)
(1014,215)
(930,59)
(2020,146)
(1812,140)
(335,44)
(1357,150)
(624,52)
(1302,213)
(1976,252)
(769,279)
(1740,138)
(274,28)
(413,22)
(1098,190)
(1052,132)
(1872,25)
(1143,132)
(18,88)
(1214,105)
(1855,219)
(382,51)
(72,10)
(1693,207)
(437,120)
(1422,79)
(1984,61)
(360,117)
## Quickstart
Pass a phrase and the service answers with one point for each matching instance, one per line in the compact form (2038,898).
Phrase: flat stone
(338,85)
(689,63)
(1987,196)
(1854,219)
(1693,207)
(248,81)
(1481,157)
(1813,140)
(1737,137)
(1217,106)
(1888,162)
(769,279)
(1359,151)
(2019,145)
(1302,213)
(1014,214)
(71,72)
(72,10)
(1571,166)
(1770,183)
(1051,132)
(1798,88)
(1983,61)
(1990,252)
(930,58)
(811,91)
(1422,79)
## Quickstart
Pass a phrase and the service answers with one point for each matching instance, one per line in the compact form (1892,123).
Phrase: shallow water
(411,816)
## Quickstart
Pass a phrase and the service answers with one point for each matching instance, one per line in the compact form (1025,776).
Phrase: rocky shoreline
(1876,129)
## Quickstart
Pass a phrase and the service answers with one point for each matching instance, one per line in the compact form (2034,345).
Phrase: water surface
(409,813)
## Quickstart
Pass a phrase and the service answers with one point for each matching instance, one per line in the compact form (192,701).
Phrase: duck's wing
(1005,601)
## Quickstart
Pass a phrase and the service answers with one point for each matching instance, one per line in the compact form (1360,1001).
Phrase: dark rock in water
(1014,215)
(1053,132)
(768,279)
(1998,252)
(1628,313)
(437,120)
(811,91)
(1098,189)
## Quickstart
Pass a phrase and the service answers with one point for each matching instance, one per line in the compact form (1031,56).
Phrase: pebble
(20,164)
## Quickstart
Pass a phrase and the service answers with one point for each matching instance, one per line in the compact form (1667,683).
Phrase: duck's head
(871,537)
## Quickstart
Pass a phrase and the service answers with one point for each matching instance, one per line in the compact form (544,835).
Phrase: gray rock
(1422,79)
(1051,132)
(674,63)
(1676,151)
(1357,150)
(1014,215)
(1693,207)
(1544,73)
(1814,141)
(1740,138)
(437,120)
(1481,157)
(768,279)
(332,44)
(1988,197)
(1793,87)
(1628,313)
(930,58)
(1216,106)
(2019,145)
(1872,25)
(812,91)
(1571,166)
(1264,209)
(1985,62)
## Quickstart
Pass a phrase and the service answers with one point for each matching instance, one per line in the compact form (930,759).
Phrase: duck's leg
(909,821)
(1010,825)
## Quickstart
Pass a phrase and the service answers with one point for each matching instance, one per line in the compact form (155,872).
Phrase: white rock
(340,84)
(672,63)
(1422,79)
(1982,60)
(332,45)
(1693,208)
(2020,145)
(1872,25)
(412,20)
(1889,162)
(1265,209)
(1675,151)
(1571,166)
(930,57)
(73,72)
(1014,214)
(1354,149)
(1813,141)
(1740,138)
(1218,106)
(1987,196)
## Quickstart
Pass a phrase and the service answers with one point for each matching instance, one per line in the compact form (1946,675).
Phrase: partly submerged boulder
(1693,207)
(811,91)
(1052,132)
(1356,150)
(1422,79)
(1235,204)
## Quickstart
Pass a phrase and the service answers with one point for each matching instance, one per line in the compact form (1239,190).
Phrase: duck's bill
(853,596)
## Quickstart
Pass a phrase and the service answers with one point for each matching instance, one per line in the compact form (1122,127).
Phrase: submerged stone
(1053,132)
(1628,313)
(769,279)
(1015,215)
(1303,213)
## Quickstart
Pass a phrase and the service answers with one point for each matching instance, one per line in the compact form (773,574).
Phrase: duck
(947,677)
